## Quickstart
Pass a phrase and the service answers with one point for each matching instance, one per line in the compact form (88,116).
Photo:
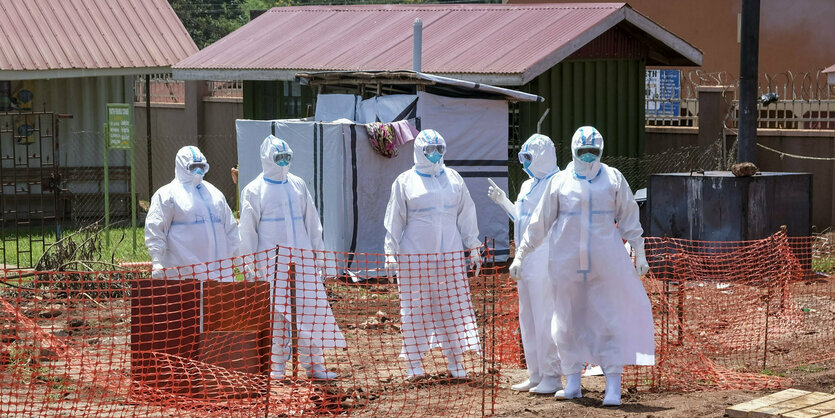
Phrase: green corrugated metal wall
(605,93)
(265,100)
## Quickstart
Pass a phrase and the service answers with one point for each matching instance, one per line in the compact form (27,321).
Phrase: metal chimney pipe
(417,46)
(748,71)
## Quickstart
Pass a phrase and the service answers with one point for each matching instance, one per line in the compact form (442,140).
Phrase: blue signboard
(663,93)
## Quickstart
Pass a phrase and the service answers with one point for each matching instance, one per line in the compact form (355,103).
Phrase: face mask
(588,157)
(526,158)
(435,157)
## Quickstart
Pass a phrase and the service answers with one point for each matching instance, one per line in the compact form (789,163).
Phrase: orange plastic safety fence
(728,315)
(282,332)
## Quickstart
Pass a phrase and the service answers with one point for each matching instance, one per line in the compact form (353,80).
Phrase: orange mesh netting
(194,341)
(201,342)
(728,315)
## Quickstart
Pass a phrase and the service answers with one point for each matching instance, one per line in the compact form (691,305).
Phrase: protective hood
(185,156)
(544,161)
(586,136)
(422,164)
(269,148)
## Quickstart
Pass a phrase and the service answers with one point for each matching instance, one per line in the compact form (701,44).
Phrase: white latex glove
(391,266)
(496,194)
(641,264)
(157,271)
(249,272)
(516,269)
(475,260)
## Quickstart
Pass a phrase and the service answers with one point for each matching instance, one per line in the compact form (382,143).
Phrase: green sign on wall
(119,126)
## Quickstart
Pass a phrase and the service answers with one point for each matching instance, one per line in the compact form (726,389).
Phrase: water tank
(718,206)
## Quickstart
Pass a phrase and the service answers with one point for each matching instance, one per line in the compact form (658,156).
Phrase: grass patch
(809,368)
(823,264)
(25,248)
(769,372)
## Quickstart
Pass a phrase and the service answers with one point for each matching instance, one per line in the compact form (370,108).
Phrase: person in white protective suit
(603,315)
(190,231)
(277,210)
(430,211)
(536,305)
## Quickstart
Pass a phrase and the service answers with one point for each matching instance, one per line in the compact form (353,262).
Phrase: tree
(209,20)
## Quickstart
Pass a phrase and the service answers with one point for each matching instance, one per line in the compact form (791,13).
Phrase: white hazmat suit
(277,210)
(430,216)
(536,304)
(190,230)
(603,315)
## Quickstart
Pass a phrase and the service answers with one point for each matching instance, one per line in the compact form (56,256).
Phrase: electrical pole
(748,72)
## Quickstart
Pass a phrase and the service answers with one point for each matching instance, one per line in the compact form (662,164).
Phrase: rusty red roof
(504,44)
(70,38)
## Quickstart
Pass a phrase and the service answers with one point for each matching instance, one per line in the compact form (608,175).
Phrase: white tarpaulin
(351,183)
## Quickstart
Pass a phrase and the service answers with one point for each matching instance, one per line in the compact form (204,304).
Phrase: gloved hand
(391,266)
(641,264)
(516,268)
(496,194)
(249,272)
(157,271)
(475,260)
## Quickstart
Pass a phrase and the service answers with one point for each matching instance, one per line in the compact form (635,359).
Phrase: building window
(5,96)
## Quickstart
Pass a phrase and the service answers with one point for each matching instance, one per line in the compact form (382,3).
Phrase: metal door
(30,199)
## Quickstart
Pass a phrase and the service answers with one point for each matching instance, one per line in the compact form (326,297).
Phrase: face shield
(283,158)
(198,168)
(434,152)
(588,154)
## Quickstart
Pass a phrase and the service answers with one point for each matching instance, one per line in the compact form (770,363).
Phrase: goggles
(525,157)
(431,148)
(588,150)
(195,165)
(283,158)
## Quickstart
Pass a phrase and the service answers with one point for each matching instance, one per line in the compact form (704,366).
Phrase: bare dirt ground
(696,404)
(370,366)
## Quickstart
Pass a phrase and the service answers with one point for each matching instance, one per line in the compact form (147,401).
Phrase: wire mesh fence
(728,315)
(789,100)
(281,338)
(277,333)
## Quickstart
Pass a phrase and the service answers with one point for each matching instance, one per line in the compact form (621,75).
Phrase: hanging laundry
(382,139)
(404,132)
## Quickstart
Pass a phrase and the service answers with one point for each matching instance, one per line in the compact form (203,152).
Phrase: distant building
(588,61)
(794,35)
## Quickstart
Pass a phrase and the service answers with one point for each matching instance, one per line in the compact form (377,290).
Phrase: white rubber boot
(525,386)
(572,388)
(319,372)
(549,384)
(414,370)
(456,369)
(277,371)
(612,397)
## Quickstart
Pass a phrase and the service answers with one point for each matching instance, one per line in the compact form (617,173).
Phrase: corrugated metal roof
(50,35)
(457,39)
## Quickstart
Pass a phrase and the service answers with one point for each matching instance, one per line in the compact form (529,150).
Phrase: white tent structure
(351,183)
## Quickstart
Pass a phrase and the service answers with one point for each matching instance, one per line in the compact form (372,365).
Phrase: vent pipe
(417,46)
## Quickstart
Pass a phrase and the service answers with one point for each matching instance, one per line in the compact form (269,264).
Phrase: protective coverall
(603,315)
(430,219)
(536,305)
(277,209)
(190,230)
